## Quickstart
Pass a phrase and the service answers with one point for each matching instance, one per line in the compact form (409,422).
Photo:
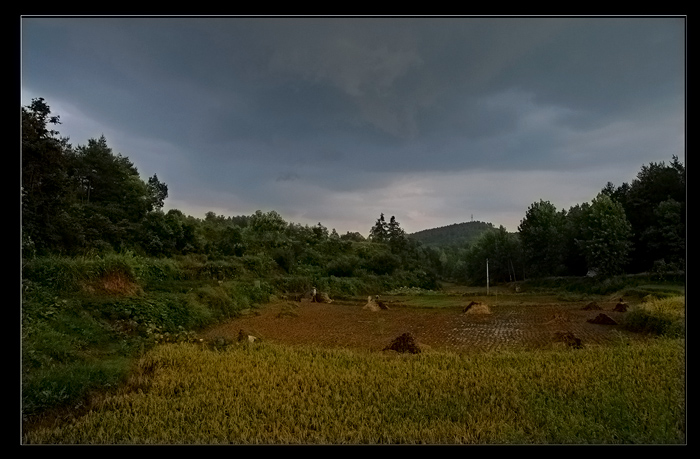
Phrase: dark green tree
(501,250)
(654,184)
(158,192)
(113,201)
(320,233)
(45,189)
(352,236)
(157,237)
(574,260)
(382,262)
(396,238)
(380,231)
(542,235)
(110,183)
(184,229)
(221,237)
(665,239)
(605,236)
(267,236)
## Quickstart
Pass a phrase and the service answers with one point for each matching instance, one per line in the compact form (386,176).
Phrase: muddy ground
(499,323)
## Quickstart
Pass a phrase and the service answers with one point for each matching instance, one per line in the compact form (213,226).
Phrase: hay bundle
(373,304)
(323,298)
(621,306)
(592,306)
(568,339)
(245,336)
(558,318)
(476,307)
(602,319)
(404,343)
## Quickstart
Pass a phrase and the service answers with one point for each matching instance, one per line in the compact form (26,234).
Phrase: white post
(487,277)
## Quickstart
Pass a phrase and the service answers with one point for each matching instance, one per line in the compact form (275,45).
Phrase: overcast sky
(336,120)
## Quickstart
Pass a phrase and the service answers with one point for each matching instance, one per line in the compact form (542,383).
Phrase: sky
(336,120)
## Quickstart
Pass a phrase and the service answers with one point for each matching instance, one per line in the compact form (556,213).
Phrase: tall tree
(265,230)
(497,249)
(396,237)
(573,259)
(380,231)
(44,179)
(158,192)
(655,183)
(606,236)
(543,239)
(111,183)
(113,200)
(665,239)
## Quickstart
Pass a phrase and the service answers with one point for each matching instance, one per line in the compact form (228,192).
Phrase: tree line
(632,228)
(87,199)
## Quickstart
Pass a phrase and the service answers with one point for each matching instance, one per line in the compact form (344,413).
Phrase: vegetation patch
(664,317)
(261,393)
(569,339)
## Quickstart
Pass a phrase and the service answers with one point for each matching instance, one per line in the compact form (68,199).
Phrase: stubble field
(437,322)
(321,373)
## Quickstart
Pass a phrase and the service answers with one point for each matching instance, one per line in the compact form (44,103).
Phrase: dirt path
(506,324)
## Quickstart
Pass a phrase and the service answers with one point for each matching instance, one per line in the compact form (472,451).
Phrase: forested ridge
(452,235)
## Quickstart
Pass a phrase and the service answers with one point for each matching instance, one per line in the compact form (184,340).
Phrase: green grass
(270,394)
(81,315)
(630,285)
(658,316)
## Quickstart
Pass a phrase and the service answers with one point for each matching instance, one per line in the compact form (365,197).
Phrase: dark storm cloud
(260,110)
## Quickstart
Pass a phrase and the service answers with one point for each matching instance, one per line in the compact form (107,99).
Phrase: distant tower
(472,217)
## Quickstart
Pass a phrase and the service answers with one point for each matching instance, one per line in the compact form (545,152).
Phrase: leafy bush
(54,272)
(260,265)
(346,286)
(343,266)
(53,386)
(158,270)
(410,291)
(382,263)
(658,317)
(217,300)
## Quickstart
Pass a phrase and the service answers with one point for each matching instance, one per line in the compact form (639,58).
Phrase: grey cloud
(265,110)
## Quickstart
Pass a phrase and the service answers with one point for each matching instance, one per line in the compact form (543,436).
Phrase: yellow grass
(270,394)
(674,306)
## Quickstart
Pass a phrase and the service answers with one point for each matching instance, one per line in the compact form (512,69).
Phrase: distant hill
(455,234)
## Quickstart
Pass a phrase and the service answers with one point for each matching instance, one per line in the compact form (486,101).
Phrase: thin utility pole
(487,277)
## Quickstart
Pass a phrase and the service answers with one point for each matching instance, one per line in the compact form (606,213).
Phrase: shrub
(382,263)
(218,301)
(658,317)
(343,266)
(345,286)
(69,384)
(158,270)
